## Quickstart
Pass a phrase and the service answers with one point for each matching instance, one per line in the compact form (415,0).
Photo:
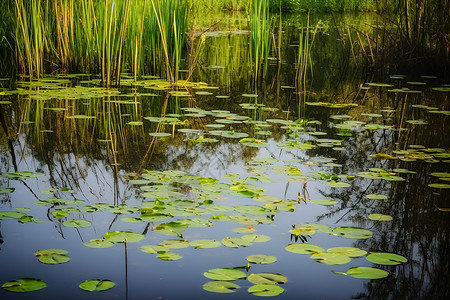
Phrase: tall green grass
(260,25)
(105,37)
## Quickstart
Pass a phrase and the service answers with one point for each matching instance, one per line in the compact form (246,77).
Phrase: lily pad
(376,196)
(330,258)
(169,256)
(235,242)
(153,249)
(205,244)
(382,258)
(24,285)
(77,223)
(352,232)
(323,201)
(267,278)
(6,190)
(266,290)
(91,285)
(99,243)
(52,256)
(175,244)
(364,273)
(304,249)
(261,259)
(123,236)
(247,229)
(348,251)
(219,286)
(380,217)
(227,274)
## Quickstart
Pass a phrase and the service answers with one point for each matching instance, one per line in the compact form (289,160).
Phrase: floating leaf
(24,285)
(153,249)
(6,190)
(205,244)
(98,243)
(364,273)
(235,242)
(376,196)
(227,274)
(247,229)
(171,228)
(250,209)
(96,285)
(218,286)
(439,185)
(348,251)
(337,184)
(5,215)
(266,290)
(77,223)
(261,259)
(380,217)
(323,201)
(330,258)
(123,236)
(352,232)
(255,238)
(52,256)
(386,258)
(304,248)
(169,256)
(175,244)
(320,227)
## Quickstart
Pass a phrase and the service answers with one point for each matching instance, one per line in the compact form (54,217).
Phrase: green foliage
(24,285)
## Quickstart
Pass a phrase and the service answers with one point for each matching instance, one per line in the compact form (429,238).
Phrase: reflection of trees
(419,231)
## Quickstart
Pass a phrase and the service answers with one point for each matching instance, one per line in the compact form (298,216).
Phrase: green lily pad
(52,256)
(380,217)
(77,223)
(256,238)
(99,243)
(376,196)
(219,286)
(24,285)
(171,228)
(227,274)
(154,249)
(205,244)
(364,273)
(123,236)
(247,229)
(261,259)
(160,134)
(386,258)
(323,201)
(348,251)
(352,232)
(175,244)
(304,248)
(91,285)
(235,242)
(7,190)
(320,227)
(266,290)
(169,256)
(441,174)
(439,185)
(337,184)
(5,215)
(331,258)
(302,231)
(250,209)
(267,278)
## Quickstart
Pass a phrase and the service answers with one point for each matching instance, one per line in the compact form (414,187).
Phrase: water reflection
(93,154)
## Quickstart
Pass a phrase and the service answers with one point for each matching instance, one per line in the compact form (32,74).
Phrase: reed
(171,18)
(259,35)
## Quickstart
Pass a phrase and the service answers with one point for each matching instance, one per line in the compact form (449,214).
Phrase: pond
(334,187)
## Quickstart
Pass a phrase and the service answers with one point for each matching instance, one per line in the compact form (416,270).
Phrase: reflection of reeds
(304,62)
